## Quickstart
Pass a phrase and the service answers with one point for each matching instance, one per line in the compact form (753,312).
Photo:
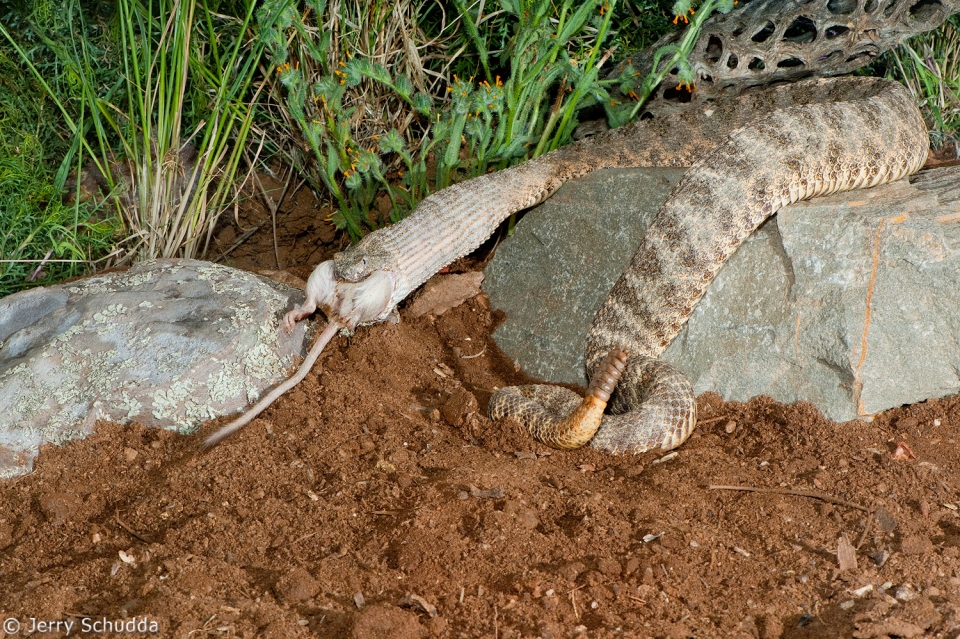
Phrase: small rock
(416,601)
(443,292)
(846,554)
(129,454)
(525,516)
(528,518)
(905,592)
(888,523)
(730,427)
(907,423)
(6,535)
(887,628)
(460,404)
(571,571)
(59,508)
(377,622)
(297,585)
(916,545)
(610,567)
(489,493)
(666,458)
(880,557)
(358,599)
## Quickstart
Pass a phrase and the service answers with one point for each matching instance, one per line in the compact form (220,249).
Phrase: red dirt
(380,477)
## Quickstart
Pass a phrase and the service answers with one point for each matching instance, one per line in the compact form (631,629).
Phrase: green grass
(929,65)
(155,95)
(401,99)
(367,100)
(43,239)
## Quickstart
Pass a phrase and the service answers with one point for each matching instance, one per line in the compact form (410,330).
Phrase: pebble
(905,592)
(609,567)
(460,404)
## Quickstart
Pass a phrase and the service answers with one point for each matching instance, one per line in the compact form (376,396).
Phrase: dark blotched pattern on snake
(769,148)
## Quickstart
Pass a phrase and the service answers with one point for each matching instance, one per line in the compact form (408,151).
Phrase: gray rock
(849,301)
(169,343)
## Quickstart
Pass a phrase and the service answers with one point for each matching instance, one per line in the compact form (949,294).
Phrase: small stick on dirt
(796,493)
(866,529)
(573,600)
(144,539)
(273,207)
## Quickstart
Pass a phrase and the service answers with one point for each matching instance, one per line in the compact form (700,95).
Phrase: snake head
(358,262)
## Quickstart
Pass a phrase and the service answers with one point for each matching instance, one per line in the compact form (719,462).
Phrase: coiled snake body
(769,148)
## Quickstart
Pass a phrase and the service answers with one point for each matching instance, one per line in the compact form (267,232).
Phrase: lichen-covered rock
(849,301)
(169,343)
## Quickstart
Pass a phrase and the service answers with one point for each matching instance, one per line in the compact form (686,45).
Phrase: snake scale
(754,154)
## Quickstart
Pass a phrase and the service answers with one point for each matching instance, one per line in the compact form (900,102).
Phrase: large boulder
(849,301)
(169,343)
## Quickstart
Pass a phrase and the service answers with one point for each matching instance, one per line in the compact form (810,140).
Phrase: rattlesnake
(770,147)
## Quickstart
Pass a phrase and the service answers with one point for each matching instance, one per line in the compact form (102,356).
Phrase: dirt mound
(380,477)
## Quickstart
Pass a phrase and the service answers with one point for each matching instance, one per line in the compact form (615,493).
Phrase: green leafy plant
(674,56)
(550,66)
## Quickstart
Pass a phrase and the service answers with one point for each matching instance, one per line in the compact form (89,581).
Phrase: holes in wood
(802,30)
(841,7)
(835,31)
(763,34)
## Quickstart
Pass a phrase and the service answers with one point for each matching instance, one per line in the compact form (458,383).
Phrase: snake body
(769,148)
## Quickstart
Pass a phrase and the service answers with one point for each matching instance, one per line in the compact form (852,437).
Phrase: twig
(273,208)
(243,238)
(130,530)
(796,493)
(866,529)
(701,422)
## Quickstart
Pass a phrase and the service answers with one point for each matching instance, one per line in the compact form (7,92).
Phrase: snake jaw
(352,303)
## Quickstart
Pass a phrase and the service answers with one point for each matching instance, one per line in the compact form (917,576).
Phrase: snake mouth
(350,269)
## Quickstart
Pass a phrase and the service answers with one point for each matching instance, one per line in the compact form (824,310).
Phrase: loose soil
(377,500)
